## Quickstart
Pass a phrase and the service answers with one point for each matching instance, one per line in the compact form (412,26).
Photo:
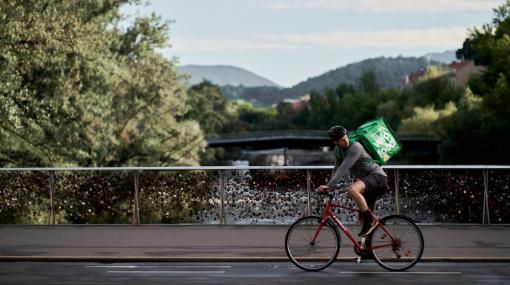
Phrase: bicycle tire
(312,256)
(402,255)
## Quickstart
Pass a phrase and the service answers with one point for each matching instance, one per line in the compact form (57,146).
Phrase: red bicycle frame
(328,213)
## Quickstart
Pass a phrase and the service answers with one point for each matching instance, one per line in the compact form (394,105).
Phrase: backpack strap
(340,155)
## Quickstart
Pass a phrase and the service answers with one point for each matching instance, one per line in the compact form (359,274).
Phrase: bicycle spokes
(397,246)
(310,245)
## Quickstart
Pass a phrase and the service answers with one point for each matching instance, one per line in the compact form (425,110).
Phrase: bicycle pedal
(358,260)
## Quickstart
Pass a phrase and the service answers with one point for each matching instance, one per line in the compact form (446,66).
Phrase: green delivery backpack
(377,138)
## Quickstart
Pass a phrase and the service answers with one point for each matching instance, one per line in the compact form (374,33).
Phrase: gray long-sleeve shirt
(358,161)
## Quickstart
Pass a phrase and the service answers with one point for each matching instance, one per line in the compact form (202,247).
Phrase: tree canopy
(76,88)
(480,128)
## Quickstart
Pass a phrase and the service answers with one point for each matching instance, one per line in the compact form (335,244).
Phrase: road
(155,243)
(258,273)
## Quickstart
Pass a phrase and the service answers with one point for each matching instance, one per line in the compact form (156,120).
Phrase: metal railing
(241,194)
(305,134)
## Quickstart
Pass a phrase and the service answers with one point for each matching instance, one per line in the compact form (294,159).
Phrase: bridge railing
(303,134)
(241,195)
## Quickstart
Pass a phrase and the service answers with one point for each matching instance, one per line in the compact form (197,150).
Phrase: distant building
(299,104)
(462,71)
(413,77)
(458,72)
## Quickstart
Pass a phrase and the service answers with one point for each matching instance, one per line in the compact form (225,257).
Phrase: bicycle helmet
(336,132)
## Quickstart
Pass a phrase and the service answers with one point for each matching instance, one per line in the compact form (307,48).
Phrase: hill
(390,73)
(445,57)
(223,75)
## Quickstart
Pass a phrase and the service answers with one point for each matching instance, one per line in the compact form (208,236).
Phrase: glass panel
(179,197)
(442,196)
(265,196)
(250,196)
(384,205)
(499,196)
(94,197)
(24,197)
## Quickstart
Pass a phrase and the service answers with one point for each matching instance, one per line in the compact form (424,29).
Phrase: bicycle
(312,243)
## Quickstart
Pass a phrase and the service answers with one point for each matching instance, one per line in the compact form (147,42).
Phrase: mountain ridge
(225,75)
(390,72)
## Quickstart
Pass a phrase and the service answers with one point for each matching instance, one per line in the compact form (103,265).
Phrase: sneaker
(367,228)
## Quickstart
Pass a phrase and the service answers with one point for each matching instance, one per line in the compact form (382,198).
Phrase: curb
(217,259)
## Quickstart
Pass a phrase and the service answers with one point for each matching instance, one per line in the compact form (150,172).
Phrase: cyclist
(370,182)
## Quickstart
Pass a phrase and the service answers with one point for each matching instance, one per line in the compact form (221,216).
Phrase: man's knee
(351,191)
(355,189)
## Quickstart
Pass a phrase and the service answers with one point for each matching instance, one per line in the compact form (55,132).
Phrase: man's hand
(322,189)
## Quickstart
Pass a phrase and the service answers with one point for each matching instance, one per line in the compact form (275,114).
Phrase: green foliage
(478,133)
(24,198)
(346,104)
(76,89)
(94,197)
(212,110)
(383,72)
(175,197)
(461,132)
(433,71)
(423,119)
(436,91)
(105,197)
(256,119)
(259,96)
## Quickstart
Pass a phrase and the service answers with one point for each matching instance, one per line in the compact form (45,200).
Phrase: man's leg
(356,191)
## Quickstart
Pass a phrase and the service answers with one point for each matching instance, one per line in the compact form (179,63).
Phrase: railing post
(136,212)
(51,217)
(397,193)
(485,216)
(309,191)
(222,198)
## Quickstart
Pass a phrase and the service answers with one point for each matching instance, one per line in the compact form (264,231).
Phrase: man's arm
(352,156)
(337,164)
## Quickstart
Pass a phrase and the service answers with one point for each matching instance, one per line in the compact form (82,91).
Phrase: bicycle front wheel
(397,244)
(309,254)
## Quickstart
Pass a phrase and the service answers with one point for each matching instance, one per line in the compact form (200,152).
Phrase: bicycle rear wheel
(312,255)
(407,249)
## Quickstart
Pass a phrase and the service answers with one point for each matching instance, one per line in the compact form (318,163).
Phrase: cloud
(224,44)
(449,37)
(433,37)
(378,6)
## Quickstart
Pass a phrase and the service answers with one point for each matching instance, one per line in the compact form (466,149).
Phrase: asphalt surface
(234,273)
(125,243)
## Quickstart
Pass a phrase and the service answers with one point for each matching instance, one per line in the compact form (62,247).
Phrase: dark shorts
(376,185)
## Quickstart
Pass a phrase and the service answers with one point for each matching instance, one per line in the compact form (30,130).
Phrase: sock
(367,218)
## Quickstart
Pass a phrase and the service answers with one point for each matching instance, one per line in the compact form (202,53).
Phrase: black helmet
(336,132)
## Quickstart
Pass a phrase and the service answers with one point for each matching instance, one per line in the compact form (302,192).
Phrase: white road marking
(403,272)
(165,272)
(158,266)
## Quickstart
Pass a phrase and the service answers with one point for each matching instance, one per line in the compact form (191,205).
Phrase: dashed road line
(402,272)
(164,272)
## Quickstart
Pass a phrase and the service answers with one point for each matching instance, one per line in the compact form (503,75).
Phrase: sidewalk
(110,243)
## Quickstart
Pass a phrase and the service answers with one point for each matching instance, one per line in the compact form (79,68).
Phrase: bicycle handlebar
(329,194)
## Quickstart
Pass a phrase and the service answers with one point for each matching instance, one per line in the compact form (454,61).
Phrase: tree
(423,119)
(208,106)
(77,89)
(482,131)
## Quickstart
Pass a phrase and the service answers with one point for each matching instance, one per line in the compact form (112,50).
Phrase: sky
(289,41)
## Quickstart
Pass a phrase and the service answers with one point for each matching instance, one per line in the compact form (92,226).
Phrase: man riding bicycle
(371,179)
